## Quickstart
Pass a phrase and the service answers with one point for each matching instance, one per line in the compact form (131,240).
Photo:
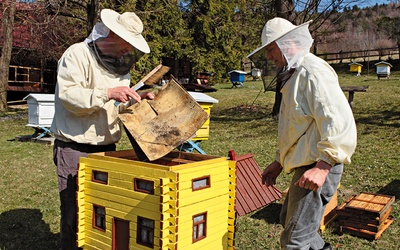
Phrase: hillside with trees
(376,27)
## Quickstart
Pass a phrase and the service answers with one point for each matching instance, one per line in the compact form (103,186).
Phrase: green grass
(29,204)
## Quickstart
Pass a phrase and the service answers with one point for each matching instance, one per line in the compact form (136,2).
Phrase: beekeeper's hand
(123,94)
(268,177)
(147,95)
(315,177)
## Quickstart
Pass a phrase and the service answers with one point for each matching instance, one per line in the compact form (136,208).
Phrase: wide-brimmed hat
(128,26)
(275,29)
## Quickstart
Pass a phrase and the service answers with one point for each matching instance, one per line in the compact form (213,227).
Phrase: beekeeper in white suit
(91,76)
(316,132)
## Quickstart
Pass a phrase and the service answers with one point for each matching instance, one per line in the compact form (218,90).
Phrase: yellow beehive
(206,102)
(355,68)
(180,201)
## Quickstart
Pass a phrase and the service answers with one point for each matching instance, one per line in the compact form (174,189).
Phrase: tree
(8,7)
(83,10)
(285,9)
(38,41)
(390,26)
(215,35)
(218,34)
(165,31)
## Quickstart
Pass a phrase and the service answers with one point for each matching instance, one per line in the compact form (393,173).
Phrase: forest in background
(214,35)
(374,27)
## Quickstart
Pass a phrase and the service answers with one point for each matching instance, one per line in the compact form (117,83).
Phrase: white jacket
(83,112)
(315,119)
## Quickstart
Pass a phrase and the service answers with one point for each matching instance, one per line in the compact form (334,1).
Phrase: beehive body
(355,67)
(40,109)
(172,205)
(206,102)
(366,215)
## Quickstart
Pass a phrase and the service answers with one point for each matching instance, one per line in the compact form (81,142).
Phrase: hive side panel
(216,201)
(118,197)
(169,212)
(203,133)
(231,209)
(172,206)
(80,195)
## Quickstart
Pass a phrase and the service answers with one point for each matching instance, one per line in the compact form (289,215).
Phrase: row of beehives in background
(237,77)
(366,215)
(382,69)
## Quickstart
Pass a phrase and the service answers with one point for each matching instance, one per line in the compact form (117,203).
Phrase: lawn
(29,204)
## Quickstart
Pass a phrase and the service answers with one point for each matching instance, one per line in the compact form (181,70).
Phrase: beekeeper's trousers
(66,158)
(303,209)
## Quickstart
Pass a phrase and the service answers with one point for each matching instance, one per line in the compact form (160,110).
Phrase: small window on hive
(199,227)
(201,183)
(144,186)
(145,232)
(99,217)
(100,177)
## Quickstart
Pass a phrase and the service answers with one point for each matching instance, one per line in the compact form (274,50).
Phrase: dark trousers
(68,214)
(66,158)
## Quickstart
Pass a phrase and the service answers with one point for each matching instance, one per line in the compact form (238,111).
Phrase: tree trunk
(284,9)
(398,46)
(8,7)
(91,10)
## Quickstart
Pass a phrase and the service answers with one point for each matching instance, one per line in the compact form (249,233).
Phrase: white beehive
(383,69)
(40,109)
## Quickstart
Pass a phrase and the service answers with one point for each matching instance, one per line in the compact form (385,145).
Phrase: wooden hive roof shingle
(251,194)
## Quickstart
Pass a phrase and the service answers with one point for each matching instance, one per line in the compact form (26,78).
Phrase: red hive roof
(251,194)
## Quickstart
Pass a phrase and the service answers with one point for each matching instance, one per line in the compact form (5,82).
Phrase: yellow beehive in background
(206,102)
(355,68)
(180,201)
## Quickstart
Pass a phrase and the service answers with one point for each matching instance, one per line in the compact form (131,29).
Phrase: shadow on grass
(392,189)
(25,229)
(389,118)
(269,213)
(227,86)
(242,113)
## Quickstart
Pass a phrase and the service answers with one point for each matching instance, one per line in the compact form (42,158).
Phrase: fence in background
(365,55)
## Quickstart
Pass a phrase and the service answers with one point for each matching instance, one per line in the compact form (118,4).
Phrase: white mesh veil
(294,42)
(295,45)
(99,31)
(120,66)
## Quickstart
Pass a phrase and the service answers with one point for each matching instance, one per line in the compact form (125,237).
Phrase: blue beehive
(237,77)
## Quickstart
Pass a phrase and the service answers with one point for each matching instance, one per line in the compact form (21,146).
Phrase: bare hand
(315,177)
(271,172)
(123,94)
(147,95)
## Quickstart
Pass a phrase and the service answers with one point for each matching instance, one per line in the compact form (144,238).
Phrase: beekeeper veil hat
(294,41)
(129,27)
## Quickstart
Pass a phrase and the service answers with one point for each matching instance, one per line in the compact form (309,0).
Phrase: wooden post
(351,97)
